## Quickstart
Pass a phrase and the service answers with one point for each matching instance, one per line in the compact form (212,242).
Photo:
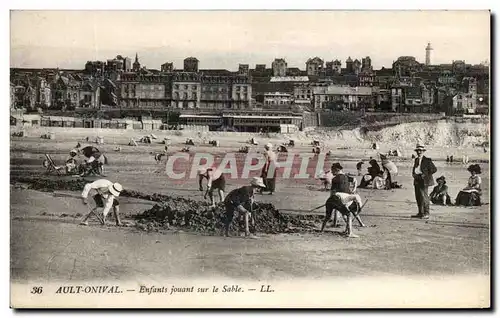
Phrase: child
(439,194)
(359,166)
(379,181)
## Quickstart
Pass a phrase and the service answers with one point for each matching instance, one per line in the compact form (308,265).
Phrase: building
(466,100)
(143,91)
(95,68)
(356,65)
(119,64)
(109,93)
(241,93)
(383,99)
(314,66)
(458,67)
(447,78)
(463,103)
(469,86)
(277,99)
(12,96)
(342,97)
(406,66)
(243,69)
(191,64)
(303,93)
(186,88)
(216,92)
(279,67)
(366,78)
(43,93)
(366,64)
(349,66)
(136,67)
(428,94)
(89,95)
(167,67)
(397,100)
(428,50)
(65,93)
(245,121)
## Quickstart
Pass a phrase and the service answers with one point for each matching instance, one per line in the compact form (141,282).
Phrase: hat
(115,189)
(441,178)
(269,145)
(73,151)
(337,166)
(474,168)
(420,147)
(258,182)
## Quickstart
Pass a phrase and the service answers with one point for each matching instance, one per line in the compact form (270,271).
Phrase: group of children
(378,177)
(94,162)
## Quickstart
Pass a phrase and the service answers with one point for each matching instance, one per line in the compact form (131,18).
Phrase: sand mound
(182,212)
(435,134)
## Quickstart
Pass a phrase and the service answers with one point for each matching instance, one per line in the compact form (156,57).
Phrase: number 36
(37,290)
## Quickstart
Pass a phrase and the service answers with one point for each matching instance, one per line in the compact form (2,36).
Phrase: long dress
(269,180)
(470,195)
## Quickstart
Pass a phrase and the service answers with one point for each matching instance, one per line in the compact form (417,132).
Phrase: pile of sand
(435,134)
(182,212)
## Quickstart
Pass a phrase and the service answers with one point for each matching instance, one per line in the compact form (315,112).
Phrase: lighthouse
(428,50)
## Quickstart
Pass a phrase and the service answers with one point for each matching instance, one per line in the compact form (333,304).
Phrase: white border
(189,4)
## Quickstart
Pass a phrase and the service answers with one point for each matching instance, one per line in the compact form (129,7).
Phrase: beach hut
(156,123)
(88,123)
(79,122)
(106,123)
(45,121)
(136,124)
(68,121)
(31,120)
(147,124)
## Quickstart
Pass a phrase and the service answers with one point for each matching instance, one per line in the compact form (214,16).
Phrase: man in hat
(423,169)
(269,170)
(439,194)
(237,199)
(216,181)
(106,193)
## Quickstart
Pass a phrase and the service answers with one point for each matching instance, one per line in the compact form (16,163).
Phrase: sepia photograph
(250,159)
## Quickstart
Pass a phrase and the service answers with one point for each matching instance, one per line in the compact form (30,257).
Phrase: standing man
(269,169)
(106,193)
(216,180)
(422,172)
(237,199)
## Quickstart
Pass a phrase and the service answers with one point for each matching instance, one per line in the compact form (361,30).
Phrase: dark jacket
(340,183)
(243,195)
(428,169)
(439,190)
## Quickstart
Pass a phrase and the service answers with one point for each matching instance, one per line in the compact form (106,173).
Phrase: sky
(224,39)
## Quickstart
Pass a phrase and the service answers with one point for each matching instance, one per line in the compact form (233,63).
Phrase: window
(186,87)
(194,87)
(194,96)
(185,96)
(176,86)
